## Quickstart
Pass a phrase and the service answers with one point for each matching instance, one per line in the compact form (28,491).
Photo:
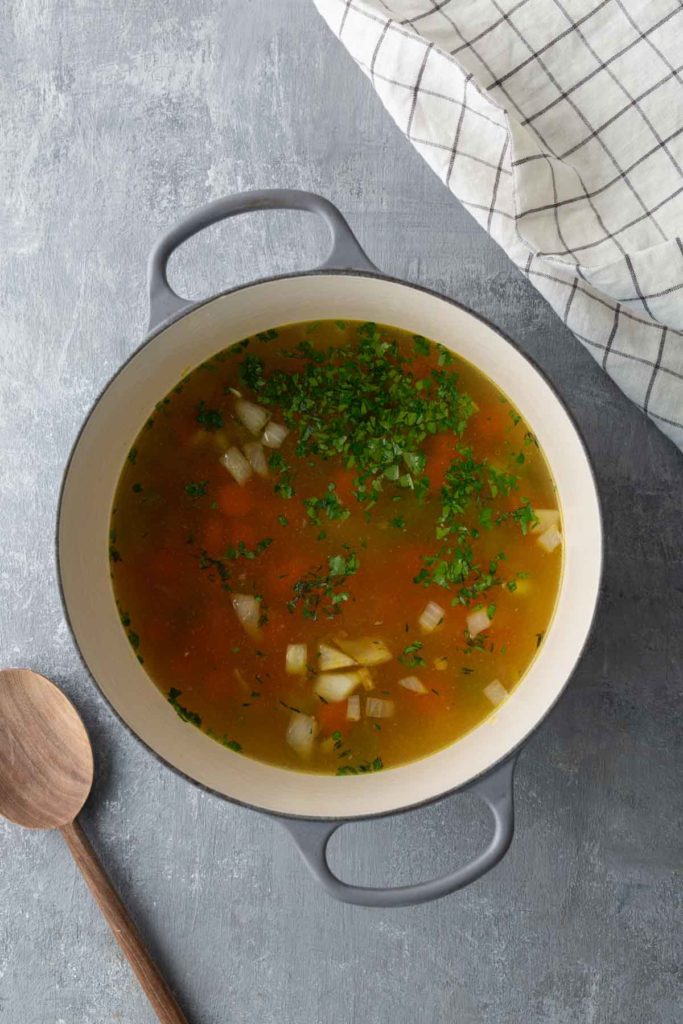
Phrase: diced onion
(441,663)
(301,733)
(274,435)
(547,517)
(366,650)
(550,539)
(329,658)
(375,707)
(257,457)
(412,683)
(247,610)
(477,622)
(353,708)
(495,692)
(295,659)
(336,686)
(236,465)
(254,417)
(431,617)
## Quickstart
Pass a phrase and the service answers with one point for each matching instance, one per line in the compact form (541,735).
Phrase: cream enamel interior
(84,521)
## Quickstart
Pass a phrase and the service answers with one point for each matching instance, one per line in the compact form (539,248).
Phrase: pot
(181,335)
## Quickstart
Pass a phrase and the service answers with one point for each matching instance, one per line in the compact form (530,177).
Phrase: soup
(335,547)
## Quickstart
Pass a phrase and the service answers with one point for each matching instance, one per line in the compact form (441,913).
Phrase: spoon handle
(125,932)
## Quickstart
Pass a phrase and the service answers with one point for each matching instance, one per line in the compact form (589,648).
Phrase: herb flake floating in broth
(333,544)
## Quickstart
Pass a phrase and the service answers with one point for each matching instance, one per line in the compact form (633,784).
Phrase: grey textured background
(117,118)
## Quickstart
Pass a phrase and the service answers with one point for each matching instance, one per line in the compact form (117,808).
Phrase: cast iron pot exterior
(182,335)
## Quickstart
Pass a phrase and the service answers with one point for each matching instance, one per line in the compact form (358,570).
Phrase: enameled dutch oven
(183,334)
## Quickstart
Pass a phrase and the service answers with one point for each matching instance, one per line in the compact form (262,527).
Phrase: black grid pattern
(559,125)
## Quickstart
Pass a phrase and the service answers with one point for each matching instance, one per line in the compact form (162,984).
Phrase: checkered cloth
(559,125)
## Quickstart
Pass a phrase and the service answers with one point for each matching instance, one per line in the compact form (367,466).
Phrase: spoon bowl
(46,762)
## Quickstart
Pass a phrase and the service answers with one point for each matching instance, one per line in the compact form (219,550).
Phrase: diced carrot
(490,423)
(278,629)
(441,451)
(185,429)
(215,533)
(283,574)
(343,482)
(421,367)
(217,685)
(155,630)
(238,530)
(164,566)
(431,704)
(332,717)
(234,500)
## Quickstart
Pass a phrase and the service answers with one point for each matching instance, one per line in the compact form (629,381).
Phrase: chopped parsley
(196,490)
(209,419)
(410,655)
(187,716)
(319,592)
(329,504)
(217,569)
(360,403)
(365,766)
(242,551)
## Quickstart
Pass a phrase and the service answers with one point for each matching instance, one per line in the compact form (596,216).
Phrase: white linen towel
(559,125)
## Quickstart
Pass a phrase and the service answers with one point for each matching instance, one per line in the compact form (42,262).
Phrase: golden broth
(408,518)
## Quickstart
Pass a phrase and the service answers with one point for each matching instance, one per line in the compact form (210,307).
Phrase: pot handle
(345,252)
(495,789)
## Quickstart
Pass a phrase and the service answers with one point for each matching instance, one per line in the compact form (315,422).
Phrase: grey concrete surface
(118,117)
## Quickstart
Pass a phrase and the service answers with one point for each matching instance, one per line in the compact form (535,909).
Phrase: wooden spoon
(46,772)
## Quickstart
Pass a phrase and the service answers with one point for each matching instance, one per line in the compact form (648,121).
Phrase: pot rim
(193,306)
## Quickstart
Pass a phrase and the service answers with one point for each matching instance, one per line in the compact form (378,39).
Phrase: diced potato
(495,692)
(547,517)
(329,658)
(550,539)
(367,682)
(254,417)
(336,686)
(353,708)
(237,465)
(301,733)
(477,622)
(413,684)
(431,617)
(296,657)
(366,650)
(375,707)
(256,457)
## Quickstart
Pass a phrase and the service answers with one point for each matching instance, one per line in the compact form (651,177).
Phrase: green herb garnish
(196,490)
(410,657)
(209,419)
(187,716)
